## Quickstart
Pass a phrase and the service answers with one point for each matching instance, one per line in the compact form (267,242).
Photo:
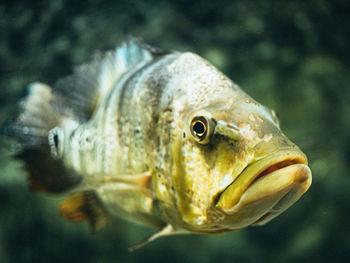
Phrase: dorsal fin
(74,98)
(90,82)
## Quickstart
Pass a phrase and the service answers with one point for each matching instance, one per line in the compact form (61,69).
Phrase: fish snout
(265,189)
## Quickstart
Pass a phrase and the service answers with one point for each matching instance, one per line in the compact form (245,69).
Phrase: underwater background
(290,55)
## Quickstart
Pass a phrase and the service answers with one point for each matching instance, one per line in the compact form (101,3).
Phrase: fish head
(270,172)
(232,165)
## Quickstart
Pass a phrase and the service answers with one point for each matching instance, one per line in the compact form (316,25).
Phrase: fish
(159,138)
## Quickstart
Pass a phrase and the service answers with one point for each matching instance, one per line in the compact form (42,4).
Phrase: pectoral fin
(84,206)
(98,180)
(120,193)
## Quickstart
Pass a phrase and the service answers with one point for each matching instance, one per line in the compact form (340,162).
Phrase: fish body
(159,138)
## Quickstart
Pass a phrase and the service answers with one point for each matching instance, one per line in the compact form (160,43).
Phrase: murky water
(292,56)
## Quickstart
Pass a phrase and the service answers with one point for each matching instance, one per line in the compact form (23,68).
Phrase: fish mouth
(266,188)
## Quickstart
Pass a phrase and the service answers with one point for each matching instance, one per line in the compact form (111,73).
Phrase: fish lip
(268,169)
(284,157)
(301,182)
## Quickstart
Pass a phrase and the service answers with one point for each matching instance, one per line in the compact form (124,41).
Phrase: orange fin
(84,206)
(141,179)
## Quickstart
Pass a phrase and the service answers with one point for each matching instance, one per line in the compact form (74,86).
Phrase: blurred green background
(290,55)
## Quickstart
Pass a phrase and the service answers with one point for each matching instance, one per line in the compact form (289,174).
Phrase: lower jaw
(284,203)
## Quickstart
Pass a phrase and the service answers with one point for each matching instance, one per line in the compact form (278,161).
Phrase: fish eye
(199,128)
(202,128)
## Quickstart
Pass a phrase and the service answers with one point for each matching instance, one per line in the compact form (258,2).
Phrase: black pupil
(199,128)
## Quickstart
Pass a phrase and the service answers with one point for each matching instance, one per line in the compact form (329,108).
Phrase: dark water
(291,55)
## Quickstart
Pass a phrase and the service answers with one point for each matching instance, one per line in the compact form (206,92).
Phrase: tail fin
(36,119)
(31,129)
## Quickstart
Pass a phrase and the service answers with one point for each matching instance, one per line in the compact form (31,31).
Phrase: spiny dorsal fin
(74,98)
(84,206)
(90,82)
